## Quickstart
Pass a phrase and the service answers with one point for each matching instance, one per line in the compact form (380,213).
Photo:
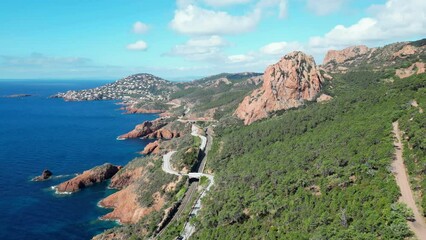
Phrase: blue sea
(38,133)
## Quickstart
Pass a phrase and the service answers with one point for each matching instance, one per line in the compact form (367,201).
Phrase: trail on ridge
(402,180)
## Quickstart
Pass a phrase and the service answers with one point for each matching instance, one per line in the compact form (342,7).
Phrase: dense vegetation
(413,124)
(318,172)
(221,92)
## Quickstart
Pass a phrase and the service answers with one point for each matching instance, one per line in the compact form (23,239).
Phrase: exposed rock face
(111,236)
(405,51)
(324,98)
(144,129)
(152,129)
(133,110)
(126,177)
(126,205)
(340,56)
(339,61)
(415,68)
(152,148)
(286,84)
(87,178)
(44,176)
(163,134)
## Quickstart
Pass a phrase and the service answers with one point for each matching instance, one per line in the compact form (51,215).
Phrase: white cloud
(138,46)
(281,5)
(221,3)
(200,48)
(194,20)
(240,58)
(397,19)
(140,27)
(324,7)
(280,48)
(212,41)
(283,9)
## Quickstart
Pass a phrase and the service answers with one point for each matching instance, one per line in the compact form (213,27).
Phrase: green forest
(321,171)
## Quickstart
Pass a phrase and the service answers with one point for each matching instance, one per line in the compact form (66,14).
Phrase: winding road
(166,164)
(189,229)
(402,180)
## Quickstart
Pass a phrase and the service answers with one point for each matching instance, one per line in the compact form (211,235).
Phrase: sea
(38,133)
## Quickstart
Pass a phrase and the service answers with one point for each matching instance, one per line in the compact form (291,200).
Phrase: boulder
(152,148)
(46,174)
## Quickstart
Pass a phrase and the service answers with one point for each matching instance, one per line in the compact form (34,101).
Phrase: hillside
(307,173)
(143,86)
(401,55)
(318,170)
(216,96)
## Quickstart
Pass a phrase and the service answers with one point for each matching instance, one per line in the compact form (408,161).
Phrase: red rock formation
(163,134)
(340,56)
(405,51)
(324,98)
(152,129)
(127,208)
(144,129)
(87,178)
(132,110)
(126,177)
(286,84)
(415,68)
(152,148)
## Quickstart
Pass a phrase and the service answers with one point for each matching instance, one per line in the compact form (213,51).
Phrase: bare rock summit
(287,84)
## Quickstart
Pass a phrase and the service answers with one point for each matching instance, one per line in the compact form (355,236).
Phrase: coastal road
(194,132)
(166,166)
(402,180)
(189,228)
(205,146)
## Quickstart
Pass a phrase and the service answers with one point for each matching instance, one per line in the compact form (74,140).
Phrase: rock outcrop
(144,129)
(152,148)
(87,178)
(133,110)
(163,134)
(324,98)
(415,68)
(127,208)
(286,84)
(405,51)
(391,55)
(155,129)
(46,174)
(125,178)
(340,56)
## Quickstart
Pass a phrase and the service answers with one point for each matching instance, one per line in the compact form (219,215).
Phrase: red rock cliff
(87,178)
(144,129)
(340,56)
(286,84)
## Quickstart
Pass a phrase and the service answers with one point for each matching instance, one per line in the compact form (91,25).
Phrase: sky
(186,39)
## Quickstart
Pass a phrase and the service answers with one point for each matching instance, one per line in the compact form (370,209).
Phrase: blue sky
(109,39)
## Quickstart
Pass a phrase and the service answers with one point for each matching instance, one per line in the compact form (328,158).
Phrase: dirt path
(407,197)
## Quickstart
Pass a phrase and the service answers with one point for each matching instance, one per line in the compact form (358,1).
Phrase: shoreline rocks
(45,175)
(151,130)
(144,129)
(87,178)
(152,148)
